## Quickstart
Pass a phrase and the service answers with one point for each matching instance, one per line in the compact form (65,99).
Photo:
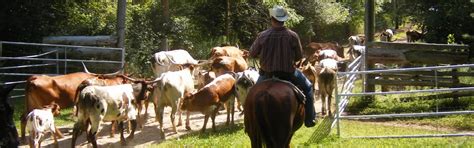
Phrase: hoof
(179,124)
(188,127)
(162,134)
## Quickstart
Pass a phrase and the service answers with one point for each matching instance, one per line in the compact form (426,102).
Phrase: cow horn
(113,74)
(85,68)
(154,81)
(129,78)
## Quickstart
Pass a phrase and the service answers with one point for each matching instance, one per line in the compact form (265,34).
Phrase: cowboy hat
(279,13)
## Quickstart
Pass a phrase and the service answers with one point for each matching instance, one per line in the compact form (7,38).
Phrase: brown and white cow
(41,90)
(107,103)
(326,82)
(40,122)
(413,35)
(223,64)
(208,99)
(169,90)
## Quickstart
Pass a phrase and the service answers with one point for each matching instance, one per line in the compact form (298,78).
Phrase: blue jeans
(303,83)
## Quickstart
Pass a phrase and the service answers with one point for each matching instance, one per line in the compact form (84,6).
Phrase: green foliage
(141,41)
(451,39)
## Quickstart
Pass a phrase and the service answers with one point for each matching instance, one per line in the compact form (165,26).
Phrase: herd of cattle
(182,83)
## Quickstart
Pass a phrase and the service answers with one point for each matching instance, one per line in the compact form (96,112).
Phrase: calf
(355,51)
(107,103)
(245,80)
(326,82)
(172,87)
(208,99)
(225,64)
(41,121)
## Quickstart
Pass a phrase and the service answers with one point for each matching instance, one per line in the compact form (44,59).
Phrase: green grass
(235,137)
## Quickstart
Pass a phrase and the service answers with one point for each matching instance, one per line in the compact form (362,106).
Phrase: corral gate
(19,60)
(343,96)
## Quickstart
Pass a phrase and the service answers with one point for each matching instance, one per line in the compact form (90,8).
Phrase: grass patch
(236,137)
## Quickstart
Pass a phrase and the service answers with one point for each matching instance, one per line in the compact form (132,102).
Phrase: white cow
(326,82)
(245,80)
(107,103)
(171,87)
(355,51)
(164,61)
(41,121)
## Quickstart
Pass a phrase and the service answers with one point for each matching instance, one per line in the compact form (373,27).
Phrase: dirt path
(143,137)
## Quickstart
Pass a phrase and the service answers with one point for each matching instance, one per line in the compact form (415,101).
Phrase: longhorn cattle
(164,61)
(230,51)
(312,51)
(107,103)
(41,90)
(386,35)
(9,136)
(41,121)
(413,35)
(225,64)
(245,80)
(171,88)
(326,82)
(208,99)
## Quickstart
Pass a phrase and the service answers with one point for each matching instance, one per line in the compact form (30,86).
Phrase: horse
(273,113)
(9,136)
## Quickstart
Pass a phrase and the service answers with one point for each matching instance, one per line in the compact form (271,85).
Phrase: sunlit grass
(236,137)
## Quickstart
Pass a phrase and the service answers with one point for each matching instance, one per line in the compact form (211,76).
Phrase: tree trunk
(166,14)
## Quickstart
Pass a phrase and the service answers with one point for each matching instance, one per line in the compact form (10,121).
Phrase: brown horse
(272,113)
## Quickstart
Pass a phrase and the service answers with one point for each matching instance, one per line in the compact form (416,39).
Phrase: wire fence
(342,99)
(19,60)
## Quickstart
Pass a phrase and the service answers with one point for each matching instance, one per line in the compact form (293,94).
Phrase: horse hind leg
(323,103)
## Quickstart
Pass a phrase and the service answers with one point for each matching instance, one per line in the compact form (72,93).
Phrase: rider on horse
(278,48)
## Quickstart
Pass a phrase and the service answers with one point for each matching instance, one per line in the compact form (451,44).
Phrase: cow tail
(262,111)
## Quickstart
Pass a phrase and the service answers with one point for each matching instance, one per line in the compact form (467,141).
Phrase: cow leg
(323,100)
(232,110)
(31,140)
(187,120)
(55,137)
(159,116)
(213,118)
(122,138)
(206,117)
(77,130)
(133,123)
(172,117)
(228,108)
(58,133)
(95,120)
(23,127)
(113,125)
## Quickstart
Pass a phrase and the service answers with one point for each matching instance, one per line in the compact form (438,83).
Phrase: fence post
(57,61)
(65,60)
(337,107)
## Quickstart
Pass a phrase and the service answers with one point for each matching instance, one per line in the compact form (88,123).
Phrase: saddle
(299,94)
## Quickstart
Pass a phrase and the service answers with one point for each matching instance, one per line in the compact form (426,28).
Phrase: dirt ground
(146,136)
